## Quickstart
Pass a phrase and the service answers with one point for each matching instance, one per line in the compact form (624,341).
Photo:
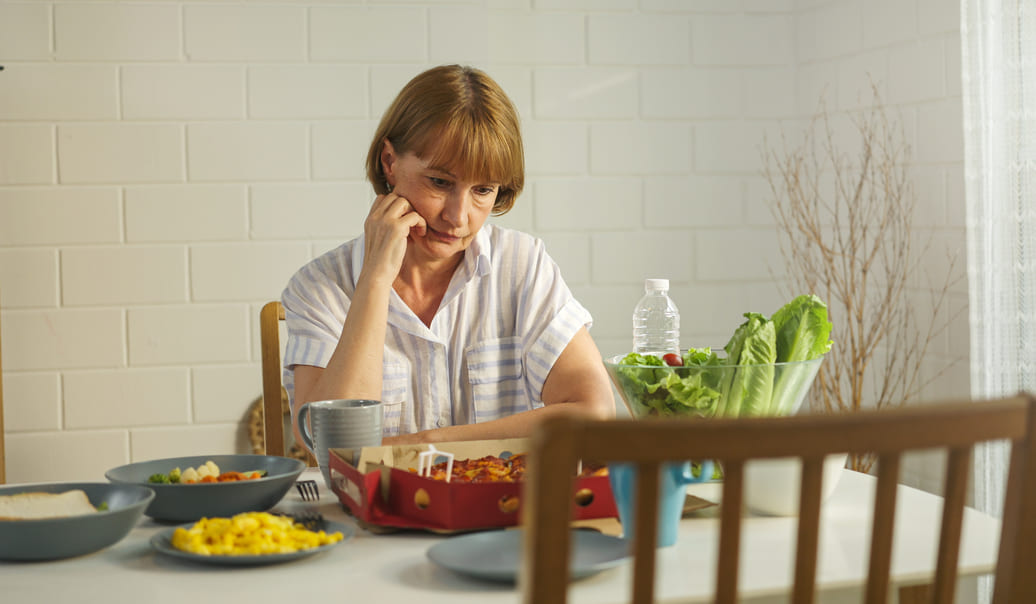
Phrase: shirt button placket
(444,398)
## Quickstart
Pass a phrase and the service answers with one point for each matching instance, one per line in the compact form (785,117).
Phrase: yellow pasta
(249,534)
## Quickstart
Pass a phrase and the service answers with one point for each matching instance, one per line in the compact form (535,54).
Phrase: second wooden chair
(956,428)
(274,400)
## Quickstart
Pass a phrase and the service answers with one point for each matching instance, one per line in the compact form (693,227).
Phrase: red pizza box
(380,486)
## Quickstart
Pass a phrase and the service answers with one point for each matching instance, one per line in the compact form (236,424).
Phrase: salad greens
(749,381)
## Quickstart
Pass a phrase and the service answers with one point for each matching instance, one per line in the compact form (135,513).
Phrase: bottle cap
(656,284)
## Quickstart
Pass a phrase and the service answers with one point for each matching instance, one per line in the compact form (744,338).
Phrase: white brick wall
(120,153)
(264,33)
(692,92)
(219,392)
(640,148)
(181,335)
(358,34)
(243,272)
(117,32)
(165,166)
(307,92)
(320,210)
(39,402)
(247,151)
(585,93)
(30,277)
(59,91)
(63,339)
(593,204)
(135,397)
(26,155)
(638,39)
(186,212)
(544,38)
(182,91)
(25,32)
(744,40)
(112,276)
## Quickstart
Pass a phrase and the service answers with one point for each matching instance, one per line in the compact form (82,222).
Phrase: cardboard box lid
(405,457)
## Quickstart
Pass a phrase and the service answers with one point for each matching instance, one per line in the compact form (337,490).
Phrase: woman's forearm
(355,367)
(576,384)
(354,370)
(511,426)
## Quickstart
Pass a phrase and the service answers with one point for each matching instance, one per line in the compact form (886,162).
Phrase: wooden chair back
(270,317)
(955,427)
(274,401)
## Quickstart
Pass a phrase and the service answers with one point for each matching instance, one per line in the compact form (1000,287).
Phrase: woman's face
(453,205)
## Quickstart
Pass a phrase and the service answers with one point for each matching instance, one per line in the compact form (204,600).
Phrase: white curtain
(999,96)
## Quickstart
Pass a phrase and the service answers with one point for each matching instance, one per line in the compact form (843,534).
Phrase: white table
(394,568)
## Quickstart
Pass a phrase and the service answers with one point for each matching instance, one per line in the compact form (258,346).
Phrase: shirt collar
(477,261)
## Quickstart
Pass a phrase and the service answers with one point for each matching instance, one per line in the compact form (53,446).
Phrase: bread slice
(34,505)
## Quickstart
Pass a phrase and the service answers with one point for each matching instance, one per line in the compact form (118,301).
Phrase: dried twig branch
(845,226)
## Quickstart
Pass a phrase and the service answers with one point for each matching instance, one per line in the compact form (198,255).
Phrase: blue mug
(673,483)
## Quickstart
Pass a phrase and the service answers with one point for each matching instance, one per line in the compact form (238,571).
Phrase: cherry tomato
(672,359)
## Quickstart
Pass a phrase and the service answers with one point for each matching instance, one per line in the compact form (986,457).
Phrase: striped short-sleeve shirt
(506,317)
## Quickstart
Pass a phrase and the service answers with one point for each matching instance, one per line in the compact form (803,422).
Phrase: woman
(462,329)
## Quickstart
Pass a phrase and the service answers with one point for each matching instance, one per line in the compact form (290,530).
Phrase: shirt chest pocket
(496,376)
(395,397)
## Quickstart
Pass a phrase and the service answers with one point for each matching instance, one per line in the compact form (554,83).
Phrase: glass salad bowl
(705,385)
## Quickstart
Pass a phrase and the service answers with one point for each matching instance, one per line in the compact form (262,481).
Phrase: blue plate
(68,536)
(178,503)
(162,541)
(497,555)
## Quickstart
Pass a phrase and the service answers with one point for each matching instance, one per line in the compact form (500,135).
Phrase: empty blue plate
(497,555)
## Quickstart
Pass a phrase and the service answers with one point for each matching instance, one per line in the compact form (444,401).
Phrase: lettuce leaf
(803,334)
(803,331)
(753,347)
(689,390)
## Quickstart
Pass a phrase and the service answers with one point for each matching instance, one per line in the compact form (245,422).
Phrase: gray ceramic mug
(339,424)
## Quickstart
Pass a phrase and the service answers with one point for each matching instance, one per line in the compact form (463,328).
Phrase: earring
(389,186)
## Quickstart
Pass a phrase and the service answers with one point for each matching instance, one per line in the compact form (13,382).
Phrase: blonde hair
(455,116)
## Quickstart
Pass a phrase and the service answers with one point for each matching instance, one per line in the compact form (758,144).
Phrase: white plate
(497,555)
(771,486)
(162,542)
(711,491)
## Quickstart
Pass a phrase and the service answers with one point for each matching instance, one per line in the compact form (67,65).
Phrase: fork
(311,521)
(308,490)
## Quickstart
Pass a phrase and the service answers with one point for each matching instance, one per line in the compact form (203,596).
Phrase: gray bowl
(189,502)
(54,538)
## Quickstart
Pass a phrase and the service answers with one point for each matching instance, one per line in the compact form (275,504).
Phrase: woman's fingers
(418,225)
(389,224)
(391,205)
(396,211)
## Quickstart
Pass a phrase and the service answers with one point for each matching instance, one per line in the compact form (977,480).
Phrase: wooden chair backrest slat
(882,528)
(955,493)
(270,317)
(647,499)
(730,532)
(1015,581)
(808,535)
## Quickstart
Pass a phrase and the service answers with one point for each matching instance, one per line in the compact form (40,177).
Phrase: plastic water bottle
(656,320)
